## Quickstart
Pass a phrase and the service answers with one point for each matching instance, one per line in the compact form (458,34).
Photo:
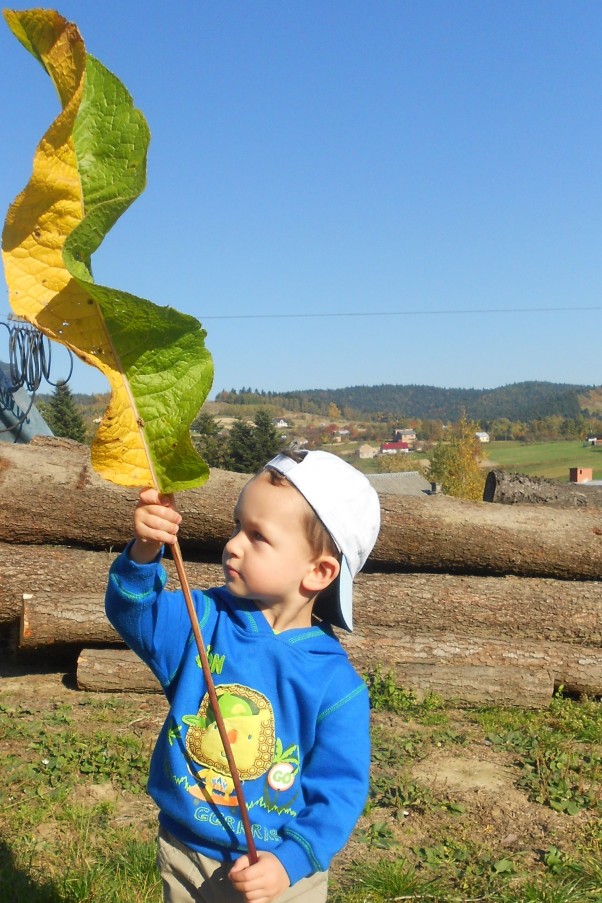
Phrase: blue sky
(422,181)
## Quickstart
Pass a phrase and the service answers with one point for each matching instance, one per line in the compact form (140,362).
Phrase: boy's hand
(261,882)
(156,523)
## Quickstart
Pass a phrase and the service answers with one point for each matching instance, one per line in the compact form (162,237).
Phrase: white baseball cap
(348,506)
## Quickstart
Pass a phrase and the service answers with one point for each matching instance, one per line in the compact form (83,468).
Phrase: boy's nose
(232,544)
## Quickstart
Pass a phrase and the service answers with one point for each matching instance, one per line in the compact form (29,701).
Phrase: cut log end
(114,671)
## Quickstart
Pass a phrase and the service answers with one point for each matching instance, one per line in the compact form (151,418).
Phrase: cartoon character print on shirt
(249,721)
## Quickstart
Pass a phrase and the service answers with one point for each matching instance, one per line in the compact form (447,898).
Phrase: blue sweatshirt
(296,713)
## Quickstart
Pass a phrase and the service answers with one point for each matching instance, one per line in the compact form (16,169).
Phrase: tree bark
(519,489)
(114,671)
(48,572)
(68,504)
(474,670)
(50,575)
(469,672)
(531,609)
(443,534)
(120,670)
(51,494)
(62,621)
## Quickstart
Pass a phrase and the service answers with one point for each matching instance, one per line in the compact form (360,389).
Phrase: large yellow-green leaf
(88,168)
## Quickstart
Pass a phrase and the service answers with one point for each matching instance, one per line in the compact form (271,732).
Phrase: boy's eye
(258,536)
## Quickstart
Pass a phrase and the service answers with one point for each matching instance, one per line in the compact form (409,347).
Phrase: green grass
(543,459)
(123,872)
(66,770)
(538,459)
(555,754)
(386,881)
(56,851)
(75,828)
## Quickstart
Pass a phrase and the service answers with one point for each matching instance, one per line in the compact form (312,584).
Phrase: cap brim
(335,604)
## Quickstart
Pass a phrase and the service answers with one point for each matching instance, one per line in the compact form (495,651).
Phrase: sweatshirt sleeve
(153,622)
(336,781)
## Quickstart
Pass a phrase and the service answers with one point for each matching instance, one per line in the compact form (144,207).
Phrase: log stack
(478,602)
(520,489)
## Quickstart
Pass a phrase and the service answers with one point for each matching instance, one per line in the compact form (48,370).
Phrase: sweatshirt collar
(246,614)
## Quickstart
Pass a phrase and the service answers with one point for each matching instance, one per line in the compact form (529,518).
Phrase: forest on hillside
(525,401)
(533,411)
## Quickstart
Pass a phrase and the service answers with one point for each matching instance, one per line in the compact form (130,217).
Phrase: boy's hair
(319,539)
(347,516)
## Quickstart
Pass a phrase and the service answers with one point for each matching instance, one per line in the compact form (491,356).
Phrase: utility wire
(401,313)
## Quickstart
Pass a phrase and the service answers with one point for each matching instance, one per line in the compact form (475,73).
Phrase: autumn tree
(431,430)
(399,463)
(455,463)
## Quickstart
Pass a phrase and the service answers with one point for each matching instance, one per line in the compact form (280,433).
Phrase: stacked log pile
(520,489)
(478,602)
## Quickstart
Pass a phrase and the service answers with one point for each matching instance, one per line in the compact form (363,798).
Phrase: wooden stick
(179,563)
(194,622)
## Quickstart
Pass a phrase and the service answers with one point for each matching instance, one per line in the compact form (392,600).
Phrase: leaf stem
(179,562)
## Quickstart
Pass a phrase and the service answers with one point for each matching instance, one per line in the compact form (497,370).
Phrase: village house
(403,434)
(482,437)
(367,451)
(394,448)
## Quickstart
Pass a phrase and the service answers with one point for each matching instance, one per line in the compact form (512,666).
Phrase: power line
(401,313)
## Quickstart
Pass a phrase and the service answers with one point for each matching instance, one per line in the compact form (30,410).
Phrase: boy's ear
(324,570)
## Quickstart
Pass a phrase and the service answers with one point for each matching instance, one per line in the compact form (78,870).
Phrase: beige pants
(190,877)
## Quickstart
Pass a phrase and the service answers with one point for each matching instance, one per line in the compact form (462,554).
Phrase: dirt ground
(469,791)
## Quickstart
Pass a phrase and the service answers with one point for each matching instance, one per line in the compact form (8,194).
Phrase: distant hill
(525,401)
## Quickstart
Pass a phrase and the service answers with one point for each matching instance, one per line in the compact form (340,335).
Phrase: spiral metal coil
(29,362)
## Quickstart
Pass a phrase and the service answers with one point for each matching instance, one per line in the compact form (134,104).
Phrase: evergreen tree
(241,457)
(456,463)
(252,446)
(206,438)
(266,440)
(62,415)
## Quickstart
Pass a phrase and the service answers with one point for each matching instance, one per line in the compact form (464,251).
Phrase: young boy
(296,712)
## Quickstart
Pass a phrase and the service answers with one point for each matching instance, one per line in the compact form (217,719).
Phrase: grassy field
(544,459)
(538,459)
(482,804)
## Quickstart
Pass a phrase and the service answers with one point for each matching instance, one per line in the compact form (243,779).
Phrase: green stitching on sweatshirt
(315,631)
(342,702)
(287,832)
(138,597)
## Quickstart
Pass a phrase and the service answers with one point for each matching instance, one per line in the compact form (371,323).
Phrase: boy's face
(268,554)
